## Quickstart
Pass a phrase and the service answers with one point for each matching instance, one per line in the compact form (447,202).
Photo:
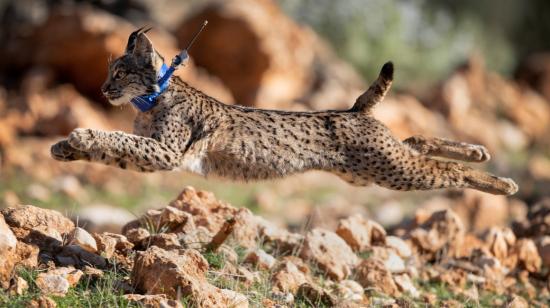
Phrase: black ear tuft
(133,37)
(387,71)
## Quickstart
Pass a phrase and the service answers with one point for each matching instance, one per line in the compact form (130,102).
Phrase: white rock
(404,283)
(83,239)
(394,263)
(399,245)
(261,259)
(8,241)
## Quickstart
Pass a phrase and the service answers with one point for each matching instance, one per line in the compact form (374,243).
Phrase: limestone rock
(153,301)
(108,243)
(403,249)
(58,281)
(83,239)
(136,235)
(443,230)
(283,240)
(289,274)
(42,302)
(8,258)
(350,290)
(528,255)
(77,256)
(371,273)
(38,226)
(19,286)
(263,56)
(179,273)
(315,294)
(361,233)
(166,241)
(330,252)
(260,259)
(544,249)
(405,284)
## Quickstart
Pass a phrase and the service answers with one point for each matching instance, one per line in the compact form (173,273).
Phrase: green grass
(101,292)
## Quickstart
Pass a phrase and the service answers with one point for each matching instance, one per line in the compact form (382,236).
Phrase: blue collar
(147,102)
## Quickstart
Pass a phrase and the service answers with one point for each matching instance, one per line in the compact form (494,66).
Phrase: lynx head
(134,73)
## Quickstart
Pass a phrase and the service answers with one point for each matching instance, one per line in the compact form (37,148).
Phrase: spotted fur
(191,131)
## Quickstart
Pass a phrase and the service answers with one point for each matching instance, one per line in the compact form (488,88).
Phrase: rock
(83,239)
(289,274)
(260,259)
(80,29)
(500,242)
(42,302)
(329,252)
(350,290)
(136,235)
(528,256)
(38,226)
(108,243)
(441,232)
(316,295)
(92,272)
(534,72)
(402,248)
(242,30)
(389,213)
(58,281)
(518,302)
(153,301)
(178,273)
(405,284)
(361,233)
(166,241)
(282,239)
(8,257)
(211,213)
(538,221)
(371,273)
(27,255)
(544,250)
(19,286)
(196,239)
(394,263)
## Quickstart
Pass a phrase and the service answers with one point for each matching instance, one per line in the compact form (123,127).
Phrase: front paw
(81,139)
(63,151)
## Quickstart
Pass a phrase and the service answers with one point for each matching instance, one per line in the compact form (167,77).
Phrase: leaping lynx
(188,130)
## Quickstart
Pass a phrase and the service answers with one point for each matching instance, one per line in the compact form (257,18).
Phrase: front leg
(144,153)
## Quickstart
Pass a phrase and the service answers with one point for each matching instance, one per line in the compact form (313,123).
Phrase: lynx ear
(133,38)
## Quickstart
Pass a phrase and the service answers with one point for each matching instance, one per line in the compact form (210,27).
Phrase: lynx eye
(119,74)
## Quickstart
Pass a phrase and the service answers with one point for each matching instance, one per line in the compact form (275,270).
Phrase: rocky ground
(198,251)
(92,238)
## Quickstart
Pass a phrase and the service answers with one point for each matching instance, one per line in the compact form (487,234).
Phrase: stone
(179,273)
(136,235)
(42,302)
(371,273)
(58,281)
(27,254)
(8,257)
(19,286)
(282,239)
(289,274)
(243,31)
(211,213)
(403,249)
(92,272)
(330,252)
(153,301)
(500,242)
(315,294)
(518,302)
(480,211)
(544,249)
(34,225)
(405,284)
(350,290)
(360,233)
(83,239)
(443,231)
(166,241)
(528,255)
(260,259)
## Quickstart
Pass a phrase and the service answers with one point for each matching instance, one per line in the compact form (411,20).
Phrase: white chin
(121,100)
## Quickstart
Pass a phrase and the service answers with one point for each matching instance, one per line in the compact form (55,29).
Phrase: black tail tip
(387,71)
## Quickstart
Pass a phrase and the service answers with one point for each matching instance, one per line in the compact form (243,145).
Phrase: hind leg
(448,149)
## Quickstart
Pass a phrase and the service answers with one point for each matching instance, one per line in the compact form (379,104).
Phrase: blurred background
(476,71)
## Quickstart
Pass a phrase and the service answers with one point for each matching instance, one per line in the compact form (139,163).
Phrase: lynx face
(134,73)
